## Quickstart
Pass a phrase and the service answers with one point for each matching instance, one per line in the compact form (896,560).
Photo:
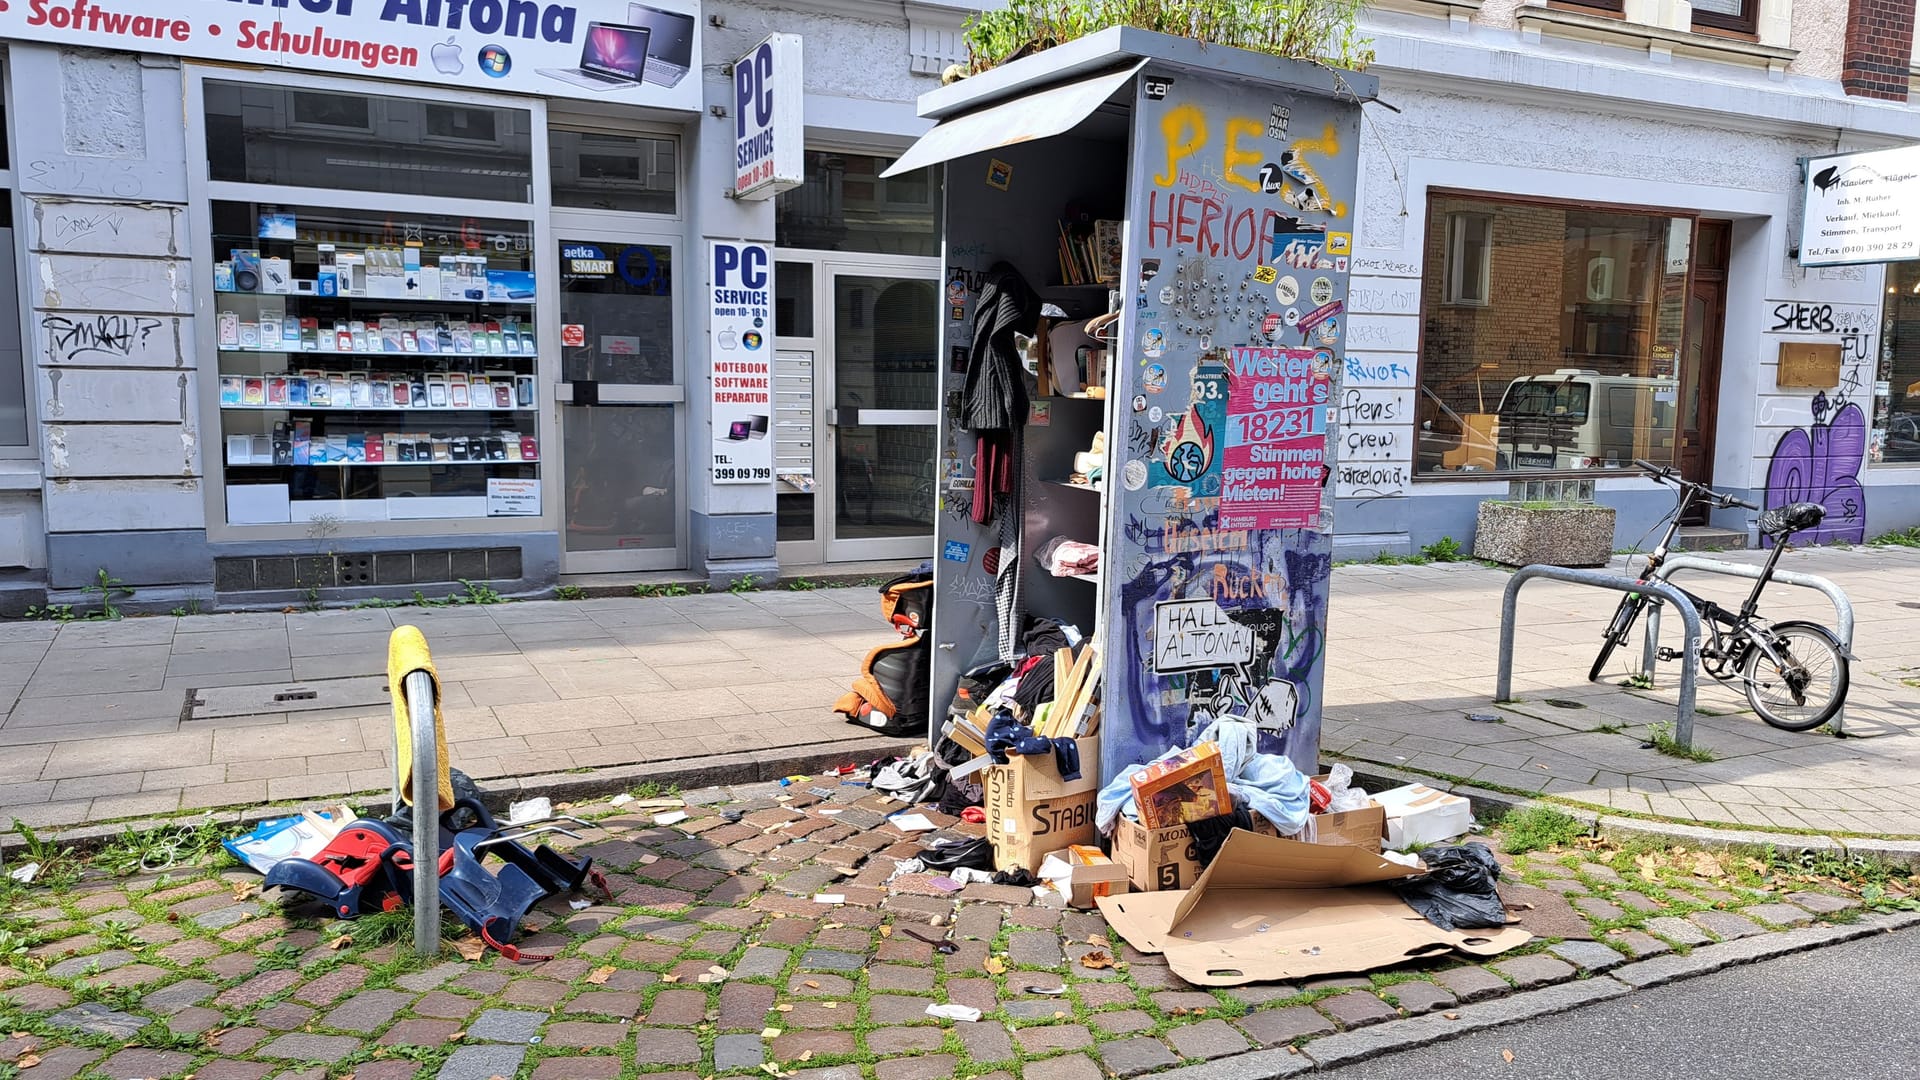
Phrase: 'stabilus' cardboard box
(1032,811)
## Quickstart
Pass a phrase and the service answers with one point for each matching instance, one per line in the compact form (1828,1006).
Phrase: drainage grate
(216,702)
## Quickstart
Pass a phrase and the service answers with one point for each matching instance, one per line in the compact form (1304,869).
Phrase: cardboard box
(1361,828)
(1032,812)
(1157,859)
(1189,786)
(1092,875)
(1417,814)
(1270,909)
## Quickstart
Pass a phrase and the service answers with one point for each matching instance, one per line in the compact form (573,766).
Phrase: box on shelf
(1032,811)
(1417,814)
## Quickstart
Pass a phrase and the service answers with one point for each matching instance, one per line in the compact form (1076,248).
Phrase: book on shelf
(1091,257)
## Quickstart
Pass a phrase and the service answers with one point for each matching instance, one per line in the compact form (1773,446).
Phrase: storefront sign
(767,134)
(512,497)
(619,54)
(1862,208)
(1276,447)
(740,336)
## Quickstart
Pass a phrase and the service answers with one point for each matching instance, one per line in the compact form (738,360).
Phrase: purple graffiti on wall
(1270,585)
(1821,464)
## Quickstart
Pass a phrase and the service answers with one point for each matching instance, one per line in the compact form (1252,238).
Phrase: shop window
(373,367)
(616,313)
(258,133)
(605,171)
(1736,15)
(1895,438)
(1549,337)
(844,205)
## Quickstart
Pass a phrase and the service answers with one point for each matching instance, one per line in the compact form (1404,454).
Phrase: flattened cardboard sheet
(1270,909)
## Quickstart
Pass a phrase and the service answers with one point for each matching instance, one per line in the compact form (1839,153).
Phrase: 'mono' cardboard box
(1159,859)
(1032,812)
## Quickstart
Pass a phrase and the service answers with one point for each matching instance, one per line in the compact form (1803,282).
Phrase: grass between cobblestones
(107,970)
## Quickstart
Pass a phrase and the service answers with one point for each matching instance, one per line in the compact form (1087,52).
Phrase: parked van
(1581,419)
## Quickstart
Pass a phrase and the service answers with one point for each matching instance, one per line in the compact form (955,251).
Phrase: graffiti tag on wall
(1821,463)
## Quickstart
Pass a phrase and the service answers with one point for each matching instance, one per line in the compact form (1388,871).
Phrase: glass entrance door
(621,399)
(882,420)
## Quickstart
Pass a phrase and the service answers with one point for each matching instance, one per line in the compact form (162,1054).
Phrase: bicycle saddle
(1782,520)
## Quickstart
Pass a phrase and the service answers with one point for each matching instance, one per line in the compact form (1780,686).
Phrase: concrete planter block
(1575,534)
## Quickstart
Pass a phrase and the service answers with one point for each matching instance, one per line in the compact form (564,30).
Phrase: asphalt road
(1840,1013)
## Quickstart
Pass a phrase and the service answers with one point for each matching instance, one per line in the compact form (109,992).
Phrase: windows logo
(495,61)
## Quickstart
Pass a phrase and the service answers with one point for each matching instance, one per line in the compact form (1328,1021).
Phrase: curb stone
(748,767)
(1361,1044)
(1901,853)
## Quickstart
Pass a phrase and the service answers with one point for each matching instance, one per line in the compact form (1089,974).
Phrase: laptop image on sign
(612,57)
(670,52)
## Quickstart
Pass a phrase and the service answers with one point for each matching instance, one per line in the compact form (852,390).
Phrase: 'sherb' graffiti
(1821,464)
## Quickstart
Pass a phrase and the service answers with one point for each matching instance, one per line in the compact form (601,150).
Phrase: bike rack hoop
(426,813)
(1842,607)
(1658,589)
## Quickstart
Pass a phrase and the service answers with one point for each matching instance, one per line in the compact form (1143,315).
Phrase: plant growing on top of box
(1321,31)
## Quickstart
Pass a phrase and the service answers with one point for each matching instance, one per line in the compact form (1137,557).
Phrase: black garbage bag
(974,854)
(1211,833)
(1457,892)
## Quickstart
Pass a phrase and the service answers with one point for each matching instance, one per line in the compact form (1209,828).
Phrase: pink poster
(1275,458)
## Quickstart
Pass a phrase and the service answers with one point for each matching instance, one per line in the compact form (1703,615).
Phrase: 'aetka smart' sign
(620,53)
(767,118)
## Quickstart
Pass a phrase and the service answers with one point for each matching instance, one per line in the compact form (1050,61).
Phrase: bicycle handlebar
(1666,474)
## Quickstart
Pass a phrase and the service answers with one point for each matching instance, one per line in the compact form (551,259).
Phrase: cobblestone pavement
(101,723)
(717,956)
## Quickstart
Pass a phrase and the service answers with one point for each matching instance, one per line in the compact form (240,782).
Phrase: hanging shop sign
(617,53)
(1862,208)
(768,136)
(740,329)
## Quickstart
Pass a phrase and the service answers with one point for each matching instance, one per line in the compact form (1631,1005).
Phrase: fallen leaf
(783,1008)
(670,978)
(770,1069)
(995,966)
(458,1035)
(340,942)
(1508,1055)
(829,1004)
(27,1061)
(886,931)
(806,1055)
(1648,864)
(1095,961)
(244,889)
(1451,1016)
(1100,940)
(770,1033)
(470,948)
(811,985)
(1706,866)
(599,976)
(717,970)
(1293,1049)
(1176,1011)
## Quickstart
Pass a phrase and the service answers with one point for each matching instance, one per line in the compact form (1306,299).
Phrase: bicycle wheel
(1809,689)
(1617,632)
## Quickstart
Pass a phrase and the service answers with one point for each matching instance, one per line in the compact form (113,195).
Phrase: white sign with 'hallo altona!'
(615,52)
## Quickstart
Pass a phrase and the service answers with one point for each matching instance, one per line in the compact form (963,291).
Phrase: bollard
(426,815)
(1659,590)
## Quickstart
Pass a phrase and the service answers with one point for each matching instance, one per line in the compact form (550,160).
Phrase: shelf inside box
(383,354)
(1090,488)
(425,410)
(463,301)
(376,464)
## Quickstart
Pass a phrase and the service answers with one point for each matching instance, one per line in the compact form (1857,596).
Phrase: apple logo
(446,58)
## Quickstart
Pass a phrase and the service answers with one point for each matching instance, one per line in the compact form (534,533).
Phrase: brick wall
(1879,49)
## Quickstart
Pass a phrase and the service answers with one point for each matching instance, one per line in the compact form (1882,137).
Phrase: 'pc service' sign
(767,120)
(614,51)
(1862,208)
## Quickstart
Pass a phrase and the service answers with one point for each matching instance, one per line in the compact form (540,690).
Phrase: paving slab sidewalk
(100,722)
